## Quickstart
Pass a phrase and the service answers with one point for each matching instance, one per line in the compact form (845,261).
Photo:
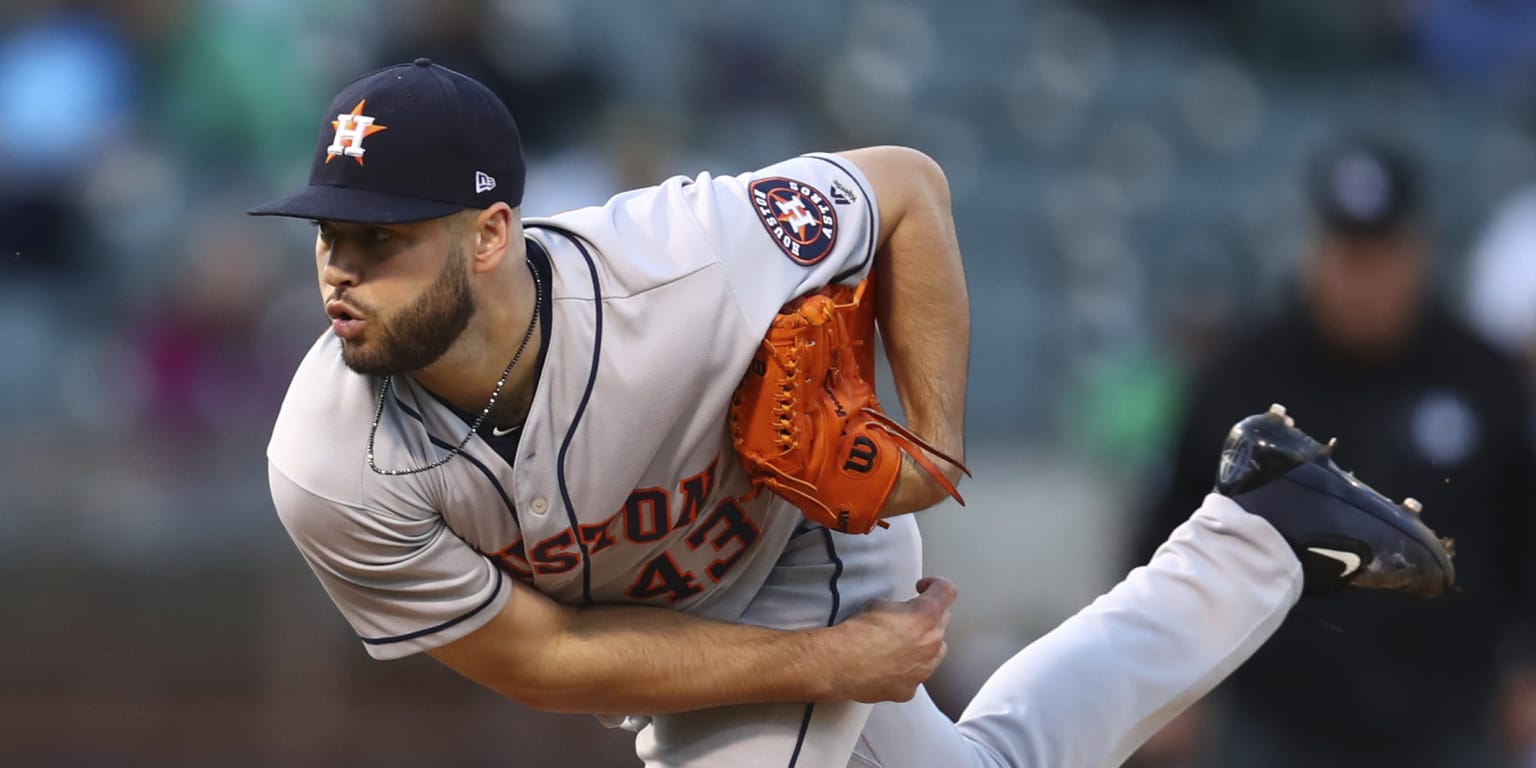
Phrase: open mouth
(340,311)
(346,323)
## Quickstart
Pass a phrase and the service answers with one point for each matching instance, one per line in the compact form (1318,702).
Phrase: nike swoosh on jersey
(503,432)
(1350,560)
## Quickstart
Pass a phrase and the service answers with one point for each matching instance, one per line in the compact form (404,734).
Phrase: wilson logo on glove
(861,457)
(805,420)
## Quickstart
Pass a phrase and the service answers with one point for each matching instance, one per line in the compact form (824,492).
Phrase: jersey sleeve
(789,229)
(405,583)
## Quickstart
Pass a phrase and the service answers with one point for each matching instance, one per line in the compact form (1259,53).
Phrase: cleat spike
(1276,409)
(1412,505)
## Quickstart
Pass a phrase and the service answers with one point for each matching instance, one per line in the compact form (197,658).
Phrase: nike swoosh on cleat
(1350,560)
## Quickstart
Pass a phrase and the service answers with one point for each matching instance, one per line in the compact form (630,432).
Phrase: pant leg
(754,736)
(822,578)
(1087,694)
(1092,690)
(914,733)
(1083,696)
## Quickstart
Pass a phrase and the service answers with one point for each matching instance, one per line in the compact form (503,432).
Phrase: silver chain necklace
(538,298)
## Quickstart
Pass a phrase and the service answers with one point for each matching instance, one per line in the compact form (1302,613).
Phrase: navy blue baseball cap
(1363,187)
(408,143)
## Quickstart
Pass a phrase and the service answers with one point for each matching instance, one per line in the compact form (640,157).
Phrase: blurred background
(1131,191)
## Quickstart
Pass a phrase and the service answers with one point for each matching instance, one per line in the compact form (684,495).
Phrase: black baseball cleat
(1345,533)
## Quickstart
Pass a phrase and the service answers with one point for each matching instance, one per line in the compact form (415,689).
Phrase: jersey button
(540,506)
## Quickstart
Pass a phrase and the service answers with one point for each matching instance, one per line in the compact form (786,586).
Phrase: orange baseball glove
(805,420)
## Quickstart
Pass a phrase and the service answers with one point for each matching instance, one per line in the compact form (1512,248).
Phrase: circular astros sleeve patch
(797,216)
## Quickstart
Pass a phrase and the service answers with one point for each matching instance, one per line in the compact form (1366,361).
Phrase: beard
(416,336)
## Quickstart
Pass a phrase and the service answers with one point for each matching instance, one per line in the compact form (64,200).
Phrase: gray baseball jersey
(623,486)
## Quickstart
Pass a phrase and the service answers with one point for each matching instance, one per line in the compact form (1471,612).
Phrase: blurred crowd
(1156,239)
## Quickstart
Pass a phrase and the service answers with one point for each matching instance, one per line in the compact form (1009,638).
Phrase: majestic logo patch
(797,216)
(842,195)
(351,129)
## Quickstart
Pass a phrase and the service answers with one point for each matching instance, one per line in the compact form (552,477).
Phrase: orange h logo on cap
(351,129)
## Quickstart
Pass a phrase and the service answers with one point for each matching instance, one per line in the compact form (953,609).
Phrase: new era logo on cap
(428,132)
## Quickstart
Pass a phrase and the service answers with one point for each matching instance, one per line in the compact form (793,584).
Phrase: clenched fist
(892,648)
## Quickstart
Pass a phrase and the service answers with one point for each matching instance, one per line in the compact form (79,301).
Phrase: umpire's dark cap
(1363,188)
(408,143)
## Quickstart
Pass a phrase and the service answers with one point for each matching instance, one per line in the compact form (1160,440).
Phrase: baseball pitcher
(627,460)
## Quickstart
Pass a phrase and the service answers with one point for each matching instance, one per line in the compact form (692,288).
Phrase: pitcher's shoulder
(637,240)
(320,435)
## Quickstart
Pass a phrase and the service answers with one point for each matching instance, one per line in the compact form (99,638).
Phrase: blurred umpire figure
(1427,409)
